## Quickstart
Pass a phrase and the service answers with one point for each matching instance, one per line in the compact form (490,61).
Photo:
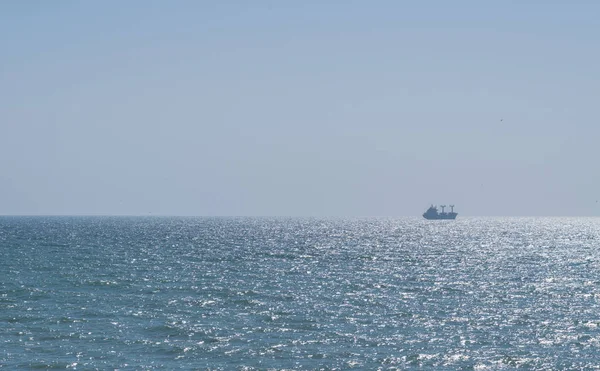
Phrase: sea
(198,293)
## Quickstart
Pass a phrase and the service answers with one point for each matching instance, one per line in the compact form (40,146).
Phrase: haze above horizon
(312,108)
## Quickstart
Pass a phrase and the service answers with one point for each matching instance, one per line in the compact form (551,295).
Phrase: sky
(299,108)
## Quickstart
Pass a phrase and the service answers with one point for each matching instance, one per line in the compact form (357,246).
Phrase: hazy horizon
(310,109)
(317,217)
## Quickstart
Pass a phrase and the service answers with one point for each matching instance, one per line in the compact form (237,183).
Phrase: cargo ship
(433,214)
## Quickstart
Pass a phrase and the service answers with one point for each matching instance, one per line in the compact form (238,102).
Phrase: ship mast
(452,208)
(442,206)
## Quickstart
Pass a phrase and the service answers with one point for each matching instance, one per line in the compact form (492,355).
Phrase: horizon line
(289,216)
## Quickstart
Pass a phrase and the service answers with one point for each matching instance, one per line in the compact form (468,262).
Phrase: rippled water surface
(260,293)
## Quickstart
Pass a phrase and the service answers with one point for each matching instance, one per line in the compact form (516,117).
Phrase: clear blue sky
(311,108)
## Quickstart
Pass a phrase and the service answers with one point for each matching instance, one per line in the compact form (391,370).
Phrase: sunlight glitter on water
(257,293)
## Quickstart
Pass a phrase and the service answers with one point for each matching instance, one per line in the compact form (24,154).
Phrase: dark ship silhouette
(433,214)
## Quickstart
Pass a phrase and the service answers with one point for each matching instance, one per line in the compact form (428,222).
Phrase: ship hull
(440,217)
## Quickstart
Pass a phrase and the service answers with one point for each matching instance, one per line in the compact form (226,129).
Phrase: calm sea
(332,294)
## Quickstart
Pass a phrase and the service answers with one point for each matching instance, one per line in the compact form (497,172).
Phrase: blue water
(332,294)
